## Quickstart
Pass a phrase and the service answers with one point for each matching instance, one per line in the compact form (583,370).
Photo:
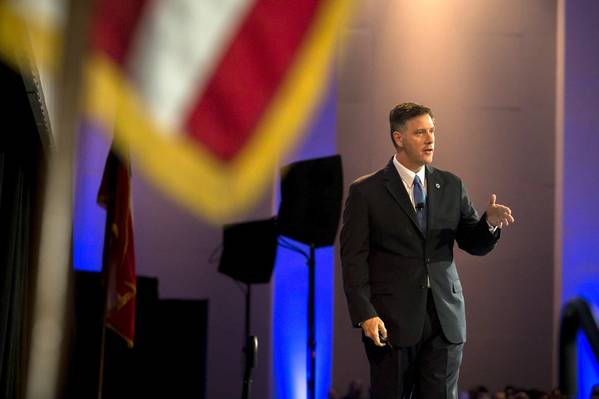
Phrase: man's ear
(398,138)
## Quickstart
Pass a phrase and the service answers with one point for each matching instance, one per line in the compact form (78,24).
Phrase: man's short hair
(401,113)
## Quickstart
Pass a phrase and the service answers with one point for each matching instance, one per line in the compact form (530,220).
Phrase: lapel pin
(437,185)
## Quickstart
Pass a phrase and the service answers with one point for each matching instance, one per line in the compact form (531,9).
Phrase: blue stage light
(88,217)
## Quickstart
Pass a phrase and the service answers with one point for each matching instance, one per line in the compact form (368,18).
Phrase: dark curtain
(21,160)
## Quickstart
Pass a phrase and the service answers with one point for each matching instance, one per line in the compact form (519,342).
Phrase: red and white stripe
(209,69)
(178,44)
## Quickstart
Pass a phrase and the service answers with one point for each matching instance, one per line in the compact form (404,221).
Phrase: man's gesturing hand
(372,327)
(498,215)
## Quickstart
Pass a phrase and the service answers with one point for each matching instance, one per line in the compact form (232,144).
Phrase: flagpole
(47,361)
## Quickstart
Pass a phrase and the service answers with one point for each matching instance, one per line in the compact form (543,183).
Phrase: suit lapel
(396,188)
(434,195)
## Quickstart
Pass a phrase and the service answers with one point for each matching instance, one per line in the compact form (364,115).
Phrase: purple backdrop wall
(580,235)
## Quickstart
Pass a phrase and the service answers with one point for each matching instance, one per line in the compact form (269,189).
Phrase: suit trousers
(427,370)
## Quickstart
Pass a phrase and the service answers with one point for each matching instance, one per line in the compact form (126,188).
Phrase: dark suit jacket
(385,257)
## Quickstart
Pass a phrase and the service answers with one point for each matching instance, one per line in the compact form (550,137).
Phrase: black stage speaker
(169,356)
(134,372)
(249,251)
(311,195)
(182,353)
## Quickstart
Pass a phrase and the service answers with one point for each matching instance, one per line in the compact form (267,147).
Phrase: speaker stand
(250,349)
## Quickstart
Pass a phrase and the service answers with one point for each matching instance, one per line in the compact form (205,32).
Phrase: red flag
(119,254)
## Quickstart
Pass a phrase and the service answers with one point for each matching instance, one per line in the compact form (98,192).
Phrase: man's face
(416,142)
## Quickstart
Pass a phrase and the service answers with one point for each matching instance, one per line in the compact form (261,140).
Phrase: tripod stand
(251,348)
(311,193)
(254,242)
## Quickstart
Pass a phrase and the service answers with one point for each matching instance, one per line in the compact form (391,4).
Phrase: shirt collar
(406,174)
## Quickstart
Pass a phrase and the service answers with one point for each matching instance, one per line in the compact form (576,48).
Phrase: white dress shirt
(407,177)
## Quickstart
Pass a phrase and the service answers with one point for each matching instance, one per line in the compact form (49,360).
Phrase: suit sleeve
(473,235)
(354,256)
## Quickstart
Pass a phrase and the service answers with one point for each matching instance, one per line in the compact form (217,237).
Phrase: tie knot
(417,181)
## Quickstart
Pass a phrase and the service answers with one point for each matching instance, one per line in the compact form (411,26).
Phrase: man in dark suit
(400,279)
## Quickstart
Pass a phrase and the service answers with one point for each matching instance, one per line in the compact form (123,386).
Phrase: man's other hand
(372,328)
(499,215)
